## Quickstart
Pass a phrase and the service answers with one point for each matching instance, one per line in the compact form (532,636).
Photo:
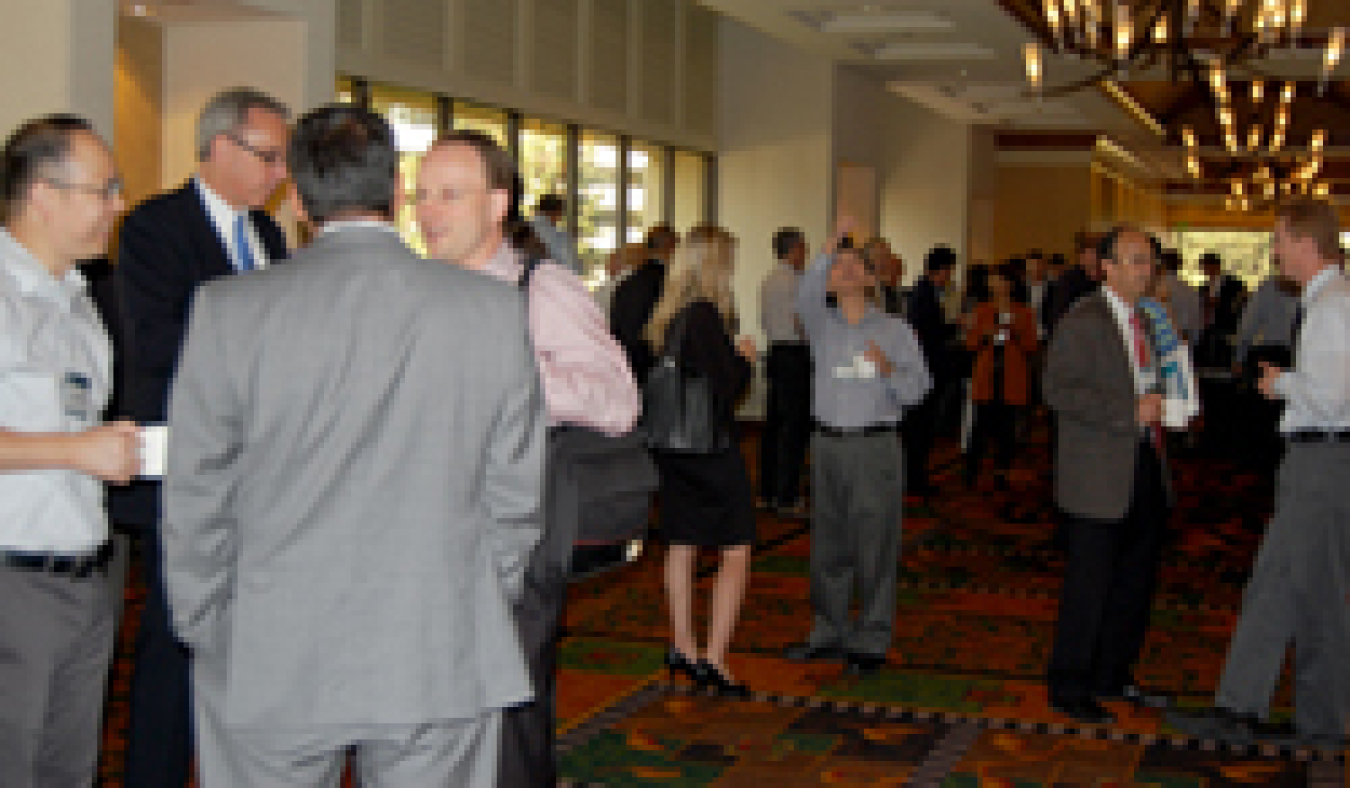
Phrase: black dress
(706,499)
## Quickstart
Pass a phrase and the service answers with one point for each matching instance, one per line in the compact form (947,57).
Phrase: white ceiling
(963,59)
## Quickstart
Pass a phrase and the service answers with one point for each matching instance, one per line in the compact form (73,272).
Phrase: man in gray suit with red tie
(356,455)
(1111,482)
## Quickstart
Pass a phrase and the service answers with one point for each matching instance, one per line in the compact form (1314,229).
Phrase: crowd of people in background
(359,443)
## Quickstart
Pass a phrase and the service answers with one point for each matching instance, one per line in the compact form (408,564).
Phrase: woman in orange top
(1003,336)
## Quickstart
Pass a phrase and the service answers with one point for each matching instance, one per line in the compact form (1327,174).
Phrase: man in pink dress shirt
(463,198)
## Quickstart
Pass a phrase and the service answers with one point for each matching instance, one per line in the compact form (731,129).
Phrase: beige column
(54,59)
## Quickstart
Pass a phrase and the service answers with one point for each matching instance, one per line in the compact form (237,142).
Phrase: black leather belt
(856,432)
(1310,436)
(76,566)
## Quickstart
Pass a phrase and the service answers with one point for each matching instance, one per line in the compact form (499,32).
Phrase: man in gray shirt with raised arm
(868,370)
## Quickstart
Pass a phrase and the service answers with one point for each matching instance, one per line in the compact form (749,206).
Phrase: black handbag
(680,412)
(600,486)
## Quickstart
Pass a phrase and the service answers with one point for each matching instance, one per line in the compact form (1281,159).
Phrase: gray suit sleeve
(198,531)
(513,476)
(1072,384)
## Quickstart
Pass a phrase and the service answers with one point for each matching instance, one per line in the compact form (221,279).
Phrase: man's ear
(297,205)
(501,204)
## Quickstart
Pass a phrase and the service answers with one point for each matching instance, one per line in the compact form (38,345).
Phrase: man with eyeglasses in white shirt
(58,600)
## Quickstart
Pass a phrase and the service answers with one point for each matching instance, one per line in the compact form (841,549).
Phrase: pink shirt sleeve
(585,373)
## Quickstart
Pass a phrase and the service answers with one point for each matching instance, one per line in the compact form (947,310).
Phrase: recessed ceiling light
(875,23)
(932,51)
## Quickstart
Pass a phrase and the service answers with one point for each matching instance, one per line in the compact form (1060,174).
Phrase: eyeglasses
(447,194)
(268,157)
(108,191)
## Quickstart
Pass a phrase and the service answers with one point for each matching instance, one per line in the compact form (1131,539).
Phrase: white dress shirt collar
(223,216)
(1125,316)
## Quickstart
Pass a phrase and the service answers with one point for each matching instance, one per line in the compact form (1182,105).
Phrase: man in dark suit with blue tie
(213,225)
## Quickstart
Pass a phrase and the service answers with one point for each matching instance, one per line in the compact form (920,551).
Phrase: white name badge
(154,450)
(860,369)
(77,399)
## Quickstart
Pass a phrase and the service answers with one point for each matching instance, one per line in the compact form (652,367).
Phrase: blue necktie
(242,251)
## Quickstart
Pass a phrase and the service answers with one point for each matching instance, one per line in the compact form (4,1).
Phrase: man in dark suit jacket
(169,245)
(1076,282)
(636,297)
(1221,300)
(929,321)
(1111,482)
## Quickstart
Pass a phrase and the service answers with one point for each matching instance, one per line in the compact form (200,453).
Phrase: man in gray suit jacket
(1111,482)
(355,478)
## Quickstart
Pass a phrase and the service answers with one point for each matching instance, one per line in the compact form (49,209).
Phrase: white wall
(775,164)
(57,56)
(925,164)
(860,111)
(925,189)
(201,59)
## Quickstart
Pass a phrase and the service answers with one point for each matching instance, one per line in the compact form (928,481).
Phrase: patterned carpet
(961,702)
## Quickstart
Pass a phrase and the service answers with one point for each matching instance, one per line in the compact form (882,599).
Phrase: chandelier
(1188,38)
(1213,44)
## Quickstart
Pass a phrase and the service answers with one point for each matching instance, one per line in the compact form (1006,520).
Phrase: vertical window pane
(485,119)
(543,160)
(413,116)
(690,187)
(598,199)
(646,188)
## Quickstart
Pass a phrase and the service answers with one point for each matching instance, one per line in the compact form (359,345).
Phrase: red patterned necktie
(1142,355)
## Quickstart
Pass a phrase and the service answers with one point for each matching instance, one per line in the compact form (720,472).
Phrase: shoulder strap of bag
(678,327)
(524,281)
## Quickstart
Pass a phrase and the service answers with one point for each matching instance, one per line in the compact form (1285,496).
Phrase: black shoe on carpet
(807,652)
(1132,694)
(863,664)
(1084,710)
(1219,724)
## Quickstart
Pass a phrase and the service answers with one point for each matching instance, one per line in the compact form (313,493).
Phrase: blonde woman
(706,499)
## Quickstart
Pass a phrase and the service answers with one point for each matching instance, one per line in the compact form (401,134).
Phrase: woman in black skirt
(706,499)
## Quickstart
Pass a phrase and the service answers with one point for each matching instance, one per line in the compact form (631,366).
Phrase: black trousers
(787,423)
(159,739)
(919,428)
(997,420)
(1110,574)
(526,753)
(527,758)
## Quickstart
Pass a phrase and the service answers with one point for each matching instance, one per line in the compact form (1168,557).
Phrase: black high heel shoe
(724,686)
(678,663)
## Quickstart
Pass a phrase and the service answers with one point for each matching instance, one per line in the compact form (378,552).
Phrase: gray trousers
(444,754)
(857,501)
(56,643)
(1298,594)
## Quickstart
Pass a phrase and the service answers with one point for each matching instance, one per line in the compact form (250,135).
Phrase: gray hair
(227,111)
